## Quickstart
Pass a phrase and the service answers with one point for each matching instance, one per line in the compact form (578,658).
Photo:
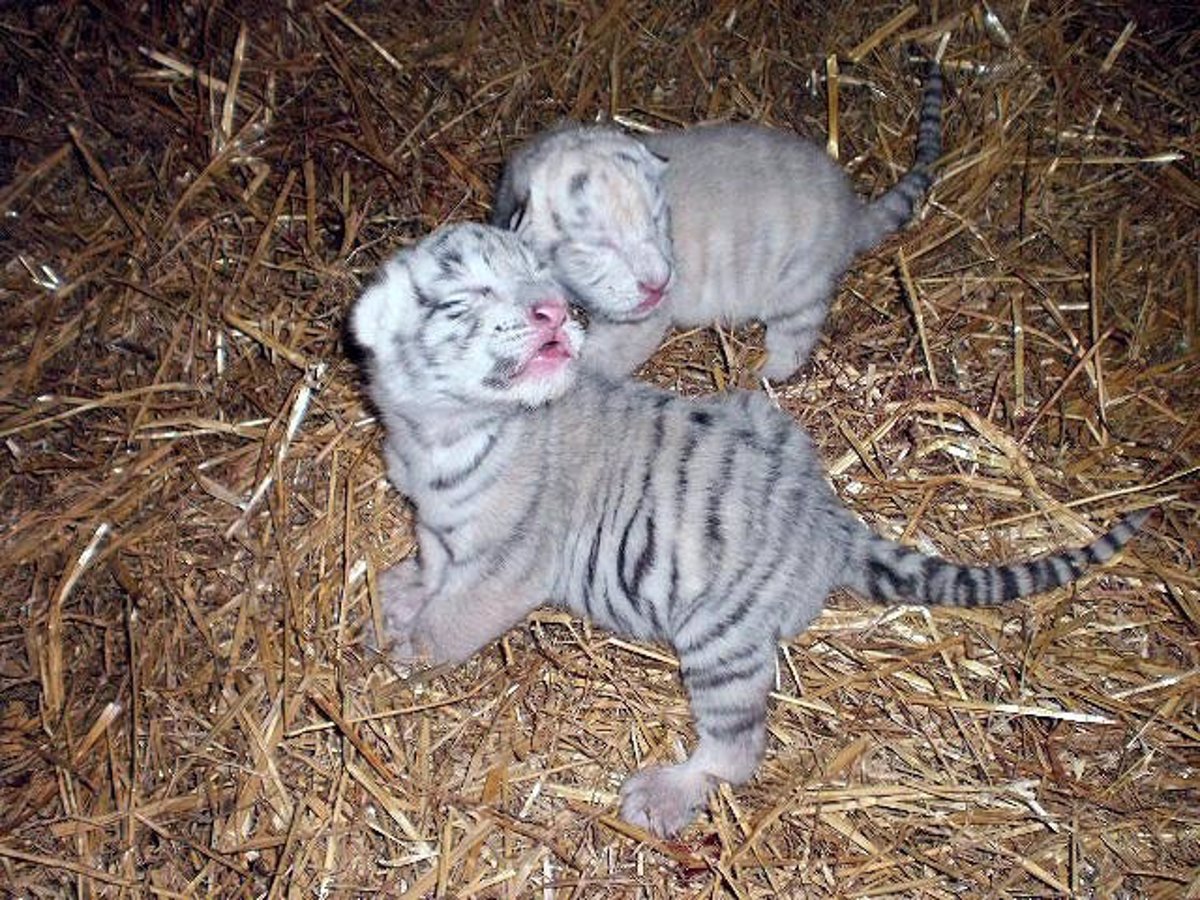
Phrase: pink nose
(548,314)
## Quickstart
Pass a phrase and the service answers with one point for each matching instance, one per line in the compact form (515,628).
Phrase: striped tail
(893,209)
(891,572)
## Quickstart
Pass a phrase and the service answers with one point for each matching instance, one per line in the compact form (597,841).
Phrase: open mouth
(550,354)
(553,348)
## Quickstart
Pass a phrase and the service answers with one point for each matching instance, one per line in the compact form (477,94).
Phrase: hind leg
(618,348)
(729,701)
(791,335)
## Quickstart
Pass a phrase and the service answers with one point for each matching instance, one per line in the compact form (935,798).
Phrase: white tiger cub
(703,224)
(705,525)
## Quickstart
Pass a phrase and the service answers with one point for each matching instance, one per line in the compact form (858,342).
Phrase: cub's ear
(512,196)
(640,159)
(387,309)
(355,352)
(658,160)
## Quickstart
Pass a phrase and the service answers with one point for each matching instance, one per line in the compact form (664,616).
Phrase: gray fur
(761,225)
(705,525)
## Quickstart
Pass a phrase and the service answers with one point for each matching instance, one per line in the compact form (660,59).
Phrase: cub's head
(466,318)
(591,202)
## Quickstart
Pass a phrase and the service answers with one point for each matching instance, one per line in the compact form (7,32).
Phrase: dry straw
(194,510)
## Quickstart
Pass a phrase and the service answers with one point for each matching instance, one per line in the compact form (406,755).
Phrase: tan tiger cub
(711,223)
(705,525)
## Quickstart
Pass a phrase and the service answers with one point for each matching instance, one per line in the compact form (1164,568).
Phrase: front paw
(401,599)
(666,799)
(780,366)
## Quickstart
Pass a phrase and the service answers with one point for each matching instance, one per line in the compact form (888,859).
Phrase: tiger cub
(687,227)
(706,525)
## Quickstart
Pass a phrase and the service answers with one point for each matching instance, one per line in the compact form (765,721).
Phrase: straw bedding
(192,506)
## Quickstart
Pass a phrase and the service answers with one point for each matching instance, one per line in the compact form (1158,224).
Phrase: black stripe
(749,721)
(422,298)
(724,592)
(518,534)
(1044,576)
(628,586)
(967,595)
(441,539)
(484,484)
(594,553)
(1012,585)
(622,548)
(590,587)
(713,529)
(681,475)
(605,597)
(712,522)
(454,479)
(644,561)
(880,581)
(931,568)
(688,666)
(732,618)
(600,603)
(796,502)
(722,675)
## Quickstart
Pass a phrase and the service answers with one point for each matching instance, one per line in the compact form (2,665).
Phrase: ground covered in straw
(192,506)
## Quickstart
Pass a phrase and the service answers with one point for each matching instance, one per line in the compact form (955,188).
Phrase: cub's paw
(665,800)
(780,366)
(401,599)
(786,350)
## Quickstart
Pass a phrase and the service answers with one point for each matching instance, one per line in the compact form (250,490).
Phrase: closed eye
(466,298)
(455,309)
(470,295)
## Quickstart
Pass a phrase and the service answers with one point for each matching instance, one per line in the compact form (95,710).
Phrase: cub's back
(673,505)
(746,201)
(731,158)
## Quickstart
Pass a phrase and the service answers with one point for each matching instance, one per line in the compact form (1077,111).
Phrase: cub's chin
(539,387)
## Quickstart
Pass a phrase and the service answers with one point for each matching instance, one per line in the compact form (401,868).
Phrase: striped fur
(762,225)
(705,525)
